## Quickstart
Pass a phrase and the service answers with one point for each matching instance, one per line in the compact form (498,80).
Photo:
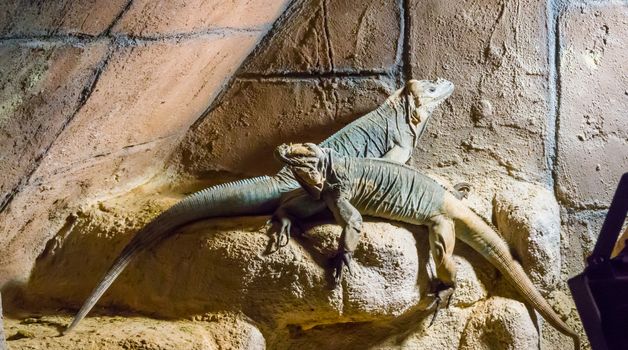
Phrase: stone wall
(537,125)
(95,95)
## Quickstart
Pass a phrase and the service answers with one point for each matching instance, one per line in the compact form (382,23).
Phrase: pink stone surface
(154,17)
(148,92)
(91,17)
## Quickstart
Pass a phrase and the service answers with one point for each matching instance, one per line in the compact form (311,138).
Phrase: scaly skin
(351,187)
(391,131)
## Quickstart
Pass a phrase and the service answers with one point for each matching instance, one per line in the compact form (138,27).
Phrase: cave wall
(95,95)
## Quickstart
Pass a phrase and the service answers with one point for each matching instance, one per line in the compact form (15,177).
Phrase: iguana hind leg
(442,239)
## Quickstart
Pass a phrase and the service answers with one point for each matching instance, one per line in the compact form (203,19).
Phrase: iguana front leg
(442,239)
(350,219)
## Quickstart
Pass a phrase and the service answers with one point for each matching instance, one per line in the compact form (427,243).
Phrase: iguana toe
(440,296)
(341,260)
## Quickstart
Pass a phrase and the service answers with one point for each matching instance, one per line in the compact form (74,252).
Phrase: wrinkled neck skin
(327,169)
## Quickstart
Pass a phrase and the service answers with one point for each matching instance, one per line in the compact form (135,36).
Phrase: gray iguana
(351,187)
(390,131)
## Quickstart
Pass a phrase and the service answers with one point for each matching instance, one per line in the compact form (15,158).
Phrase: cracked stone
(593,122)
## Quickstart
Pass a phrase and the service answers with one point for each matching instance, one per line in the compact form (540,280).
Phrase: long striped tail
(254,196)
(481,237)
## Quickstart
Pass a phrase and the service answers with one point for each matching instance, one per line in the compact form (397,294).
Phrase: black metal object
(601,291)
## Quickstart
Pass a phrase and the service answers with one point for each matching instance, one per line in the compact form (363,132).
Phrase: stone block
(333,35)
(147,92)
(24,18)
(162,17)
(593,123)
(499,323)
(494,52)
(254,117)
(528,217)
(41,87)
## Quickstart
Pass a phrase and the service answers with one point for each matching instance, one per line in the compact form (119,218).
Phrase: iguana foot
(281,228)
(462,190)
(442,294)
(341,260)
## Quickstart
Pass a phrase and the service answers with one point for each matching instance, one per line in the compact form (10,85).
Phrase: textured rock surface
(490,50)
(499,323)
(91,17)
(34,107)
(593,133)
(334,35)
(205,332)
(528,216)
(224,268)
(161,97)
(149,17)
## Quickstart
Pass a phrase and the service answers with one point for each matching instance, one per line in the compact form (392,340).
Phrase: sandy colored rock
(499,323)
(528,217)
(91,17)
(41,86)
(490,50)
(145,94)
(163,17)
(333,35)
(205,332)
(593,134)
(254,117)
(26,228)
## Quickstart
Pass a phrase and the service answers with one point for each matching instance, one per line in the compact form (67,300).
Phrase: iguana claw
(439,296)
(341,260)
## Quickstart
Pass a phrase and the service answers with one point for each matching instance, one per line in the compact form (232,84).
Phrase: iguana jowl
(391,131)
(351,187)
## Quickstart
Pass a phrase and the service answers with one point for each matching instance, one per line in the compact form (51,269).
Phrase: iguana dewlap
(351,187)
(390,131)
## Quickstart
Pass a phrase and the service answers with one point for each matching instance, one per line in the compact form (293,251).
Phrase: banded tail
(253,196)
(483,238)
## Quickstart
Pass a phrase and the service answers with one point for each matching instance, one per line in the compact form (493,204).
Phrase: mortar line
(115,21)
(399,54)
(320,75)
(406,72)
(330,50)
(554,87)
(127,40)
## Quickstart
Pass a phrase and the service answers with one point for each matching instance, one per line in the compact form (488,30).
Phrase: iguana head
(307,162)
(424,97)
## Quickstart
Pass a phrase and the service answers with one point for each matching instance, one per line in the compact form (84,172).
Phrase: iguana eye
(432,90)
